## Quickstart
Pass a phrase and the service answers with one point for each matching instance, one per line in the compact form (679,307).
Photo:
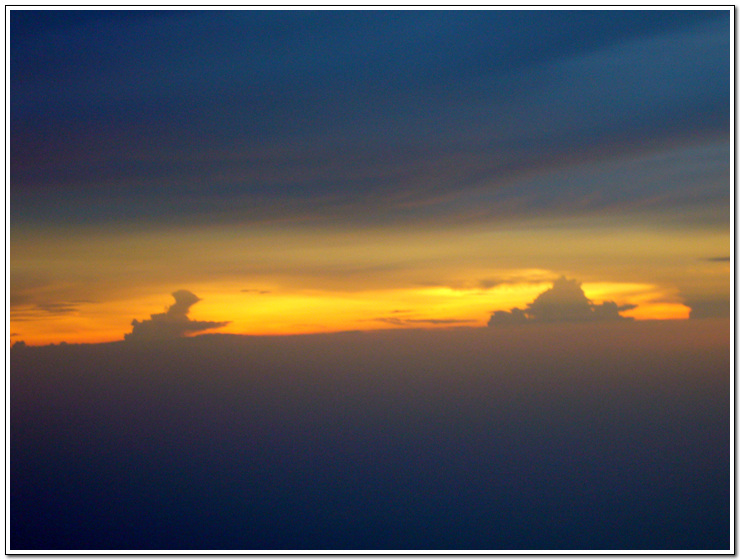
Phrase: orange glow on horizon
(653,303)
(276,312)
(659,311)
(289,279)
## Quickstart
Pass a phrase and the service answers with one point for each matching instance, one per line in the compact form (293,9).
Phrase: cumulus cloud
(174,322)
(515,316)
(564,302)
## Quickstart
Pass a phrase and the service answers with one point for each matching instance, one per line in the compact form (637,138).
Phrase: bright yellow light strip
(652,302)
(659,311)
(275,311)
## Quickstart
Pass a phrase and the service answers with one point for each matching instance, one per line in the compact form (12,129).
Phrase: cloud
(255,291)
(564,302)
(22,308)
(440,321)
(514,317)
(399,321)
(529,276)
(383,427)
(703,308)
(59,308)
(488,283)
(173,323)
(717,259)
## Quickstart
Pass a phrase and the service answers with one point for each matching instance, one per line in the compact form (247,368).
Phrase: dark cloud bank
(260,112)
(591,435)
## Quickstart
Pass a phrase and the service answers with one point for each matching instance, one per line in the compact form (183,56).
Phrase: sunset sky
(321,171)
(483,258)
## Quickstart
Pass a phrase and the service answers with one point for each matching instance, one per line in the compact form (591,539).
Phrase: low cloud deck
(600,436)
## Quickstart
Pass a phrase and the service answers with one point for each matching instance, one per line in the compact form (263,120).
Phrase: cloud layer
(564,302)
(349,122)
(398,439)
(174,322)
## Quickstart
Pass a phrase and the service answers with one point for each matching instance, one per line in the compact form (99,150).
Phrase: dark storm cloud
(173,323)
(564,302)
(335,110)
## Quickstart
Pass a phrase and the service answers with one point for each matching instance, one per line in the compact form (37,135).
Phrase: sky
(307,171)
(370,280)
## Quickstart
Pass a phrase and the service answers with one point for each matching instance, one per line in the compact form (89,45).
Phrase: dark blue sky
(213,114)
